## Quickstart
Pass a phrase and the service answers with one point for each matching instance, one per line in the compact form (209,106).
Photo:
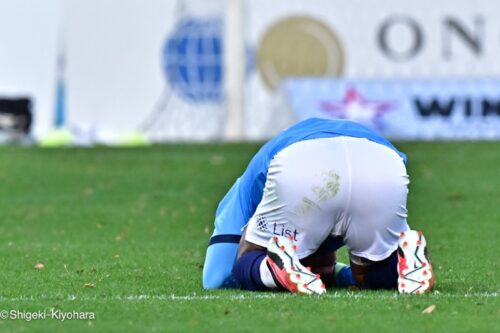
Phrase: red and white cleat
(288,270)
(414,268)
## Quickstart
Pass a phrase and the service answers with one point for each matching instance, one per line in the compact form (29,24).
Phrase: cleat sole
(414,269)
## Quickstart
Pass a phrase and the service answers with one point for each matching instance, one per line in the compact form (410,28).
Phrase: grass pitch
(122,233)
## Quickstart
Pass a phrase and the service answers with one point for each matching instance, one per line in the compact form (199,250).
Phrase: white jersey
(341,186)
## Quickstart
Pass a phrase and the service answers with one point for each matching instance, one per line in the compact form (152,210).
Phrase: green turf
(134,224)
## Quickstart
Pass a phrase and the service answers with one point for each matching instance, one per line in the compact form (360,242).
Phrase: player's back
(315,128)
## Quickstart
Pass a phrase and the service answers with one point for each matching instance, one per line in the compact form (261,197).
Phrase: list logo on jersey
(356,107)
(281,230)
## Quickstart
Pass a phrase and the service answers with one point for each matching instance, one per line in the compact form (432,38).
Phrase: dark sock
(246,271)
(382,274)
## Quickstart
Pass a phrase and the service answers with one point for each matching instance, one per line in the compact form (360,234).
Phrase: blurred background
(132,72)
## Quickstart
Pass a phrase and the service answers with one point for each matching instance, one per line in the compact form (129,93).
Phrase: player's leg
(275,267)
(253,270)
(409,268)
(301,201)
(377,212)
(381,274)
(250,270)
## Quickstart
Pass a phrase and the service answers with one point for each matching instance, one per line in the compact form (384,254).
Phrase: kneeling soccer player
(315,187)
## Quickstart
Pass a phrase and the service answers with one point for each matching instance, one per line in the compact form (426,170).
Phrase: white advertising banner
(416,109)
(153,66)
(113,52)
(29,33)
(365,39)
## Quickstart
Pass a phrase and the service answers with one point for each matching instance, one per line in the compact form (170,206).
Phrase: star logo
(354,107)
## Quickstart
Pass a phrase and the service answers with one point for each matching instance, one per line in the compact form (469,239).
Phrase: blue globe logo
(193,60)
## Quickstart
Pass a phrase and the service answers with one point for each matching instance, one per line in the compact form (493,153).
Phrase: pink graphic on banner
(355,107)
